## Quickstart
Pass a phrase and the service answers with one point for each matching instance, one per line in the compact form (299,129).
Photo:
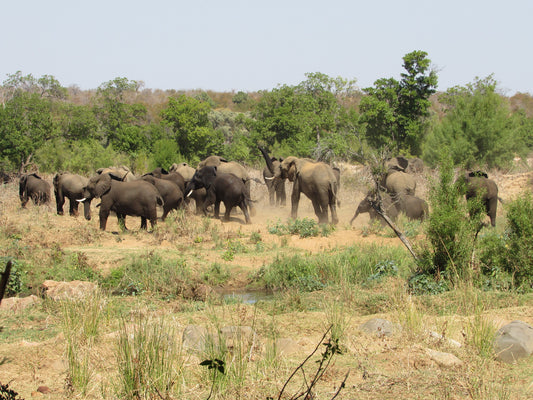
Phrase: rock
(286,346)
(74,290)
(380,327)
(439,337)
(513,341)
(238,337)
(202,292)
(44,389)
(444,360)
(19,303)
(195,337)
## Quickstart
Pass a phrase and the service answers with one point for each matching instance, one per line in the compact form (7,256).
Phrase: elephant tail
(501,200)
(333,193)
(159,200)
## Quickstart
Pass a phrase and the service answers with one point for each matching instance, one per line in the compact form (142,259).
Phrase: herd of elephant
(217,180)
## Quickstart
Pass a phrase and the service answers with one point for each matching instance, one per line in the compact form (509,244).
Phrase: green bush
(15,284)
(304,227)
(519,243)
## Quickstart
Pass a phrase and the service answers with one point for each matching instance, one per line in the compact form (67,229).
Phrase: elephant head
(203,178)
(276,187)
(212,161)
(371,200)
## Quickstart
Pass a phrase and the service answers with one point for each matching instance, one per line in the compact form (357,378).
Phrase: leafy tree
(120,119)
(478,127)
(26,123)
(189,120)
(396,112)
(299,116)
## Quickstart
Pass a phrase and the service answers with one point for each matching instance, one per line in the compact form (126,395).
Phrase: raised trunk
(267,159)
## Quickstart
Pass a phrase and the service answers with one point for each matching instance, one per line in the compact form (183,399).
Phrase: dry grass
(33,347)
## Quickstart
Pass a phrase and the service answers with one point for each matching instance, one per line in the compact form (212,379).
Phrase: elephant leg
(227,213)
(247,187)
(334,217)
(282,196)
(319,212)
(492,205)
(295,200)
(73,207)
(217,210)
(244,209)
(103,214)
(60,201)
(165,213)
(144,223)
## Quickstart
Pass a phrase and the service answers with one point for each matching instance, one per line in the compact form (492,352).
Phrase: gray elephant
(136,198)
(122,172)
(32,186)
(70,186)
(174,177)
(477,184)
(169,191)
(276,187)
(187,172)
(387,203)
(413,207)
(399,183)
(221,187)
(231,167)
(314,179)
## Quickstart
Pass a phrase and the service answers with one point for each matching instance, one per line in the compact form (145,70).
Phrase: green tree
(26,123)
(478,127)
(119,116)
(189,120)
(396,112)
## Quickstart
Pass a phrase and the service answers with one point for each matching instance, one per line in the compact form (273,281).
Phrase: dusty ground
(386,368)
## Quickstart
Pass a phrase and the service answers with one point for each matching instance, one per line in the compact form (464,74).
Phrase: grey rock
(513,342)
(380,327)
(444,360)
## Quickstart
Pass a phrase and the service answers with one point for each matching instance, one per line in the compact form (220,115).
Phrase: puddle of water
(248,296)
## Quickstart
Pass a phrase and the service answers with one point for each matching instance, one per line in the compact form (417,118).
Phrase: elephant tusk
(270,178)
(81,200)
(189,194)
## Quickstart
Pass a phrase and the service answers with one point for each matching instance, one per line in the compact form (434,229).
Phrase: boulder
(513,341)
(380,327)
(19,303)
(74,290)
(444,360)
(195,337)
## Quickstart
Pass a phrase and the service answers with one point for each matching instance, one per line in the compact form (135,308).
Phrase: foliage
(189,120)
(451,237)
(17,277)
(395,112)
(8,394)
(478,127)
(304,227)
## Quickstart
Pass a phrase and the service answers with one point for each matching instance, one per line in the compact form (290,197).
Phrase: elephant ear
(293,172)
(103,185)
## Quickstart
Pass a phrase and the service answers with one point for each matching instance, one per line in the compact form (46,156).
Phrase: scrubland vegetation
(317,283)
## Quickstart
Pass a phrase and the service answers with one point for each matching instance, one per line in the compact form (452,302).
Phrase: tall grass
(148,358)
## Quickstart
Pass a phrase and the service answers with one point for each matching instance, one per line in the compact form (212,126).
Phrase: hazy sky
(226,45)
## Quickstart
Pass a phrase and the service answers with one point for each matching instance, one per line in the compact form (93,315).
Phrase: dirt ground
(43,362)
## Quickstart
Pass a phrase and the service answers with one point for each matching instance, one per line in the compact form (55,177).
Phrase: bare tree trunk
(5,279)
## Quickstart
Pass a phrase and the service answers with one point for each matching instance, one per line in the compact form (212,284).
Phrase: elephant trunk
(269,163)
(87,209)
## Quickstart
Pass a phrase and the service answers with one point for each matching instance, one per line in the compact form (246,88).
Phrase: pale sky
(257,45)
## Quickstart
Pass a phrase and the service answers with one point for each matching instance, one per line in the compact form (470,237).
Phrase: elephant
(387,203)
(137,198)
(316,180)
(476,184)
(230,167)
(32,186)
(171,194)
(276,187)
(221,187)
(123,173)
(70,186)
(174,177)
(399,183)
(187,172)
(413,207)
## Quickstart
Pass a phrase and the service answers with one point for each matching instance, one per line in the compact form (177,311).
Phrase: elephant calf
(221,187)
(32,186)
(413,207)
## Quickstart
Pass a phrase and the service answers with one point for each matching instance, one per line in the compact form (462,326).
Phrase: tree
(192,130)
(395,112)
(26,123)
(478,127)
(119,116)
